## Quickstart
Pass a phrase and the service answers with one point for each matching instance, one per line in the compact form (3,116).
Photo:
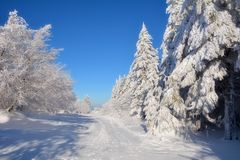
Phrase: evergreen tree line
(196,85)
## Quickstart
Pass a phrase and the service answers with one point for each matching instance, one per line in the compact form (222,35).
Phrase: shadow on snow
(43,136)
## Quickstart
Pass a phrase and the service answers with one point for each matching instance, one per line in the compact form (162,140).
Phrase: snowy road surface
(97,137)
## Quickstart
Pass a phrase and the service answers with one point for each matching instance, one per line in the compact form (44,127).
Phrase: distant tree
(77,106)
(118,88)
(85,105)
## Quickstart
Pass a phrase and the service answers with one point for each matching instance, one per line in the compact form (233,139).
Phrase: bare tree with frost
(29,79)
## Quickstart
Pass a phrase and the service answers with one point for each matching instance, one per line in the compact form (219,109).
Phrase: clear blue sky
(98,36)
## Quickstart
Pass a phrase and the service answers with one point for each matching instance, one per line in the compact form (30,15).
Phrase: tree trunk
(10,109)
(229,114)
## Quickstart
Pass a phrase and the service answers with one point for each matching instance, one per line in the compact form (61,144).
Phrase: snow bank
(4,117)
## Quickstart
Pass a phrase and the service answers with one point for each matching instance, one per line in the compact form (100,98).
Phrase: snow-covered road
(97,137)
(111,140)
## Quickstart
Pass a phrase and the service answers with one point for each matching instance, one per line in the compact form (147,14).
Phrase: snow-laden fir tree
(118,88)
(121,97)
(153,88)
(143,74)
(139,89)
(29,79)
(200,66)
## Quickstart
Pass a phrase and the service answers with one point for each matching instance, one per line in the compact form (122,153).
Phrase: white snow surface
(100,137)
(3,117)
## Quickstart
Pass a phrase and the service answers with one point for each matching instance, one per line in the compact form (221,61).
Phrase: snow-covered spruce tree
(117,90)
(153,88)
(143,75)
(200,66)
(120,101)
(27,71)
(139,89)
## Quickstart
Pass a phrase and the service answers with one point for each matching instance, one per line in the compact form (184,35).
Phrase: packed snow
(100,137)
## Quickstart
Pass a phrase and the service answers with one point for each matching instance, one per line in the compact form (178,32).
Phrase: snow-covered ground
(98,137)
